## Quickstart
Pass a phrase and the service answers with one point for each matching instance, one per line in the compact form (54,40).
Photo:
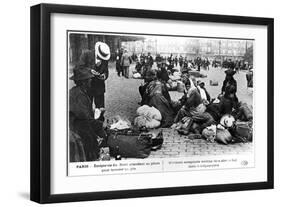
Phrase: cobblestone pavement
(122,99)
(176,145)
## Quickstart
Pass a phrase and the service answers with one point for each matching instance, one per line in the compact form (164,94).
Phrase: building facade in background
(219,49)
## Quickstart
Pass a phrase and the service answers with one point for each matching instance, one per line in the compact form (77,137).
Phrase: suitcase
(246,111)
(244,130)
(129,144)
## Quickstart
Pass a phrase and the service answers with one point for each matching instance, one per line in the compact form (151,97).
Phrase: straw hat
(102,50)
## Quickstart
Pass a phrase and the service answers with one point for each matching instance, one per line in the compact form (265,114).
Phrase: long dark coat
(82,122)
(97,83)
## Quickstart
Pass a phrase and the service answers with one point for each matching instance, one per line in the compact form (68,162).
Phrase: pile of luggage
(231,128)
(125,140)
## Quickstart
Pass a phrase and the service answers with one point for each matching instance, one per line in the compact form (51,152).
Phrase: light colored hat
(102,50)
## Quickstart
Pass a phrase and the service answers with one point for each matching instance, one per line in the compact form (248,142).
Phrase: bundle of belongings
(127,141)
(137,76)
(148,117)
(224,119)
(119,123)
(228,131)
(212,126)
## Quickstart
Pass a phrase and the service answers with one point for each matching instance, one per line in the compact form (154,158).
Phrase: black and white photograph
(134,96)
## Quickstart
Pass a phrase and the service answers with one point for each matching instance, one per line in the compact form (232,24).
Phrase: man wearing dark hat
(81,116)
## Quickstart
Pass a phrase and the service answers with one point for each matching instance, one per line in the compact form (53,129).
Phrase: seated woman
(138,67)
(192,107)
(148,77)
(156,94)
(81,116)
(191,100)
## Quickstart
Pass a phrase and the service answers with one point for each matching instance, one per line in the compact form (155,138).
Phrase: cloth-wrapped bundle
(137,76)
(210,133)
(223,136)
(147,122)
(120,124)
(150,112)
(148,117)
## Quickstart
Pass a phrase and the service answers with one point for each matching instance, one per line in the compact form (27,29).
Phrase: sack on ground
(246,112)
(119,123)
(209,133)
(223,136)
(147,122)
(244,129)
(137,76)
(150,112)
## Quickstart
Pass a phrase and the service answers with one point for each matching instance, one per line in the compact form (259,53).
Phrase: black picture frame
(40,102)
